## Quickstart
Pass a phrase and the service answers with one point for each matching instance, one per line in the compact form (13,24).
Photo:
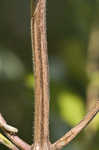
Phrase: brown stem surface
(39,48)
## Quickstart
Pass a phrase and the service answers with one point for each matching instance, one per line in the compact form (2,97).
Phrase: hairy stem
(39,48)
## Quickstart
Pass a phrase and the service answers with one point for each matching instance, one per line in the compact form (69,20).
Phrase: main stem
(39,48)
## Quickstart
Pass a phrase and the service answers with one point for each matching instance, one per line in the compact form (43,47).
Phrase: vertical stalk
(39,48)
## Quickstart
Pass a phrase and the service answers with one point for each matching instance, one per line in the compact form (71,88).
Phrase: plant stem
(39,48)
(41,121)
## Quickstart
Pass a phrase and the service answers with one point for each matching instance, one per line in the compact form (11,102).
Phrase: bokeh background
(73,34)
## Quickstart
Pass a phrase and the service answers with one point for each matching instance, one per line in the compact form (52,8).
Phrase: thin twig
(7,127)
(39,48)
(7,143)
(69,136)
(15,139)
(18,142)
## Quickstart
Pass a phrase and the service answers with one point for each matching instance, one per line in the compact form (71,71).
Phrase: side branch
(18,142)
(10,131)
(5,126)
(69,136)
(7,143)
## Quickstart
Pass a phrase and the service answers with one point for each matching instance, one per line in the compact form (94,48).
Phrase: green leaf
(71,107)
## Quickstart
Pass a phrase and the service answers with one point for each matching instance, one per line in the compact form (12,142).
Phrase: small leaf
(71,107)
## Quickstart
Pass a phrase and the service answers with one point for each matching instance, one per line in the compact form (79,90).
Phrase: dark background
(69,26)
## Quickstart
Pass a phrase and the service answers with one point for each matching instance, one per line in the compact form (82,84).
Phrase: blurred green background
(69,26)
